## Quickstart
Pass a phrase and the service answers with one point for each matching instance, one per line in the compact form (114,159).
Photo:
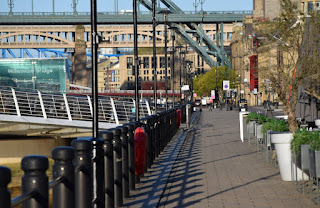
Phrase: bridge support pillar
(79,72)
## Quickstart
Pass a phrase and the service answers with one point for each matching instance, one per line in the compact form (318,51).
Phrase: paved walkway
(215,169)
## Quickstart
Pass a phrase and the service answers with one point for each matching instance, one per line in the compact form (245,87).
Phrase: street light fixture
(165,13)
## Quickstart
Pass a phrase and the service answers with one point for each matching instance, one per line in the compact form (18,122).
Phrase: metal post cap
(5,176)
(80,145)
(116,131)
(63,153)
(106,135)
(124,129)
(130,126)
(137,124)
(34,162)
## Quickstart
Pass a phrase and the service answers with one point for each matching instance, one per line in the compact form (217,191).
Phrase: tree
(310,56)
(204,83)
(282,51)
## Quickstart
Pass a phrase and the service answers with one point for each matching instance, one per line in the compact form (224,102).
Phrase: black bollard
(146,129)
(5,179)
(157,135)
(100,173)
(107,136)
(35,181)
(150,124)
(125,161)
(63,193)
(132,184)
(83,173)
(117,160)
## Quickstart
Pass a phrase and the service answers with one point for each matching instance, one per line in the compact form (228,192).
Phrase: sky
(108,5)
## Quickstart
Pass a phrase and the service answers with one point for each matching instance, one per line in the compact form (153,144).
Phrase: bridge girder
(200,34)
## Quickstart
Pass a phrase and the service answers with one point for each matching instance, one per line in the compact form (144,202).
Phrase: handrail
(123,13)
(21,198)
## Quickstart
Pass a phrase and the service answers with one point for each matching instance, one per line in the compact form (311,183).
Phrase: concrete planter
(314,163)
(250,126)
(317,122)
(259,133)
(282,140)
(301,163)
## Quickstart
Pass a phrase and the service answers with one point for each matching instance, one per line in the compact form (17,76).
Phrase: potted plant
(314,153)
(258,129)
(251,120)
(281,138)
(300,145)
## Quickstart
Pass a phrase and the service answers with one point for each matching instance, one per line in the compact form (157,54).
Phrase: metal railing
(124,13)
(62,106)
(75,171)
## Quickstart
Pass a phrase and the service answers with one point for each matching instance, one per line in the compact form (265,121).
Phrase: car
(243,104)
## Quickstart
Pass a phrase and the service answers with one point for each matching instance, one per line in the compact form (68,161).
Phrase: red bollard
(140,140)
(178,118)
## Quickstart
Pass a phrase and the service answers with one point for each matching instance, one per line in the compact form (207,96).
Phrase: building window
(129,62)
(310,7)
(144,72)
(116,72)
(129,72)
(146,62)
(169,63)
(147,78)
(317,5)
(153,62)
(162,62)
(128,78)
(147,71)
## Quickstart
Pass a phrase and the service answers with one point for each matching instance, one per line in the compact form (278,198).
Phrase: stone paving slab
(215,169)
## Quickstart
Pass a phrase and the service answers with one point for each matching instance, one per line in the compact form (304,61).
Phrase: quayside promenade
(209,166)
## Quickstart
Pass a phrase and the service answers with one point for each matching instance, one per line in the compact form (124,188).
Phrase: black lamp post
(154,24)
(173,29)
(183,54)
(136,59)
(179,47)
(95,119)
(165,13)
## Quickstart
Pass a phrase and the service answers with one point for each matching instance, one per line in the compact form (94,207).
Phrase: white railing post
(67,107)
(42,105)
(16,102)
(148,108)
(90,105)
(114,111)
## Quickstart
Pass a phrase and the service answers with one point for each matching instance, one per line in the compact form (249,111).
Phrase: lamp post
(154,54)
(165,13)
(179,47)
(136,59)
(172,62)
(182,53)
(95,120)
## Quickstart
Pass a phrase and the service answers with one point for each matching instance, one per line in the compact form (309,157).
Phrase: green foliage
(252,116)
(301,137)
(315,143)
(261,118)
(275,125)
(204,83)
